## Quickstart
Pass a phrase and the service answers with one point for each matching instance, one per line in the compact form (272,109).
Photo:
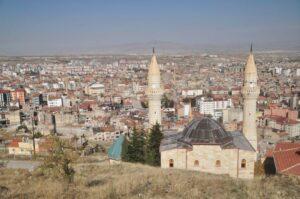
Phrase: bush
(153,144)
(134,149)
(259,168)
(58,163)
(38,135)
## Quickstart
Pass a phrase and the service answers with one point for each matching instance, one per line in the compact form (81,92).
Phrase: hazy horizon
(82,27)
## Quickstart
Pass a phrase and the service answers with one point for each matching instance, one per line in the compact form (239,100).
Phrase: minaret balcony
(154,91)
(250,92)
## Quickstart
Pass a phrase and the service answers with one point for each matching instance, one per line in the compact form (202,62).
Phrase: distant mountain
(163,47)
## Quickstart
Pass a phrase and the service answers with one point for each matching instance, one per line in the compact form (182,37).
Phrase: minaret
(250,92)
(154,92)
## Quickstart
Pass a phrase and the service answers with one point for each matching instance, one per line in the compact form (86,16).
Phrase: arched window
(196,163)
(243,163)
(218,163)
(171,163)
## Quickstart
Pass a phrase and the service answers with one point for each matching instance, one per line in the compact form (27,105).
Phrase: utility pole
(77,109)
(53,119)
(33,134)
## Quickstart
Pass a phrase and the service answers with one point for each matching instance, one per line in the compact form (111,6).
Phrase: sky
(67,26)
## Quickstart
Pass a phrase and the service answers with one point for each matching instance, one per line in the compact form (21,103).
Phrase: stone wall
(204,157)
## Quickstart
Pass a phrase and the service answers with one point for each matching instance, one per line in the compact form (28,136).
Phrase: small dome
(205,131)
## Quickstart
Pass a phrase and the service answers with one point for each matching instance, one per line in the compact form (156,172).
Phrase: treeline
(143,147)
(166,102)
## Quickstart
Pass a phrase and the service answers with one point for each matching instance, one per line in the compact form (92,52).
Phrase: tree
(124,155)
(166,102)
(38,135)
(58,162)
(259,168)
(22,127)
(136,150)
(144,104)
(74,141)
(153,144)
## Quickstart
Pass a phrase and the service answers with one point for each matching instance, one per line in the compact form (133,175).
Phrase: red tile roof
(20,90)
(286,145)
(45,145)
(14,143)
(287,158)
(282,120)
(4,91)
(294,170)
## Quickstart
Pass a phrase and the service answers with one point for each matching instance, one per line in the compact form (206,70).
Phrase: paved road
(31,165)
(22,164)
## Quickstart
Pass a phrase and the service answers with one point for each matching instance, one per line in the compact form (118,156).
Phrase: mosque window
(218,163)
(243,163)
(196,163)
(171,163)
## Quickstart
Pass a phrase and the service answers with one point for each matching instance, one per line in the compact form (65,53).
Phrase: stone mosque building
(204,145)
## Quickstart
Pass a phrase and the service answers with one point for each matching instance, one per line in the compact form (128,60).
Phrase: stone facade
(234,162)
(204,145)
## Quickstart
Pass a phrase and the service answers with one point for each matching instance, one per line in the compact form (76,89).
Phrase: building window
(243,164)
(218,163)
(171,163)
(196,163)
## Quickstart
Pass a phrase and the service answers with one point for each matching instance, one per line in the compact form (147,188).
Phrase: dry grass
(139,181)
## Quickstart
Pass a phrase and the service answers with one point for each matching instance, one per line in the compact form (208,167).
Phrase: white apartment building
(66,102)
(54,101)
(95,89)
(106,136)
(192,92)
(278,70)
(209,106)
(298,72)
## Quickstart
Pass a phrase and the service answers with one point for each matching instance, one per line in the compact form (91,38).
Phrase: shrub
(259,168)
(153,144)
(58,163)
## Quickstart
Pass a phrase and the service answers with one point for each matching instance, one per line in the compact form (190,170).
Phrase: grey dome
(205,131)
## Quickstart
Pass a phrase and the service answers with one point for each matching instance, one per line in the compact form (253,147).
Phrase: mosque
(204,145)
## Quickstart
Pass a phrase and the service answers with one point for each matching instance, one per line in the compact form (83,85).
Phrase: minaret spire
(154,68)
(250,92)
(153,50)
(154,91)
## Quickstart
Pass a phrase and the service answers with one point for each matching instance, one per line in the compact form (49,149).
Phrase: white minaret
(154,92)
(250,92)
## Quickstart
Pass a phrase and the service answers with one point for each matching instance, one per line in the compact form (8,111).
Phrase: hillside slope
(139,181)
